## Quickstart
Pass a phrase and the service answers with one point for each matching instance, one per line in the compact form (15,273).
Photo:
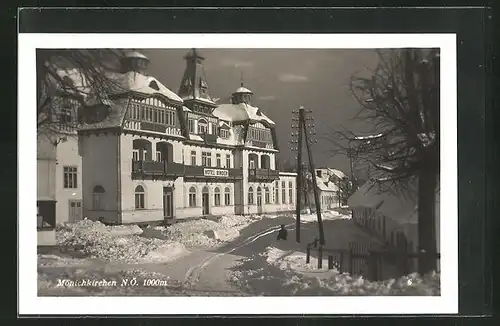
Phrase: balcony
(258,175)
(160,170)
(209,138)
(156,169)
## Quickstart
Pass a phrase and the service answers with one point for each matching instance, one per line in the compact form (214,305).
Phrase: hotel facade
(149,154)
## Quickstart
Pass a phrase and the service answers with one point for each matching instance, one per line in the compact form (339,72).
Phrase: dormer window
(154,85)
(202,126)
(224,133)
(187,82)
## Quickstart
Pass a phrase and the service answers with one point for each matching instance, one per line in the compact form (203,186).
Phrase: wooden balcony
(161,170)
(156,169)
(258,175)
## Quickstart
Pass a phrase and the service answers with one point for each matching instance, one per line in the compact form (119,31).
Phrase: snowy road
(238,267)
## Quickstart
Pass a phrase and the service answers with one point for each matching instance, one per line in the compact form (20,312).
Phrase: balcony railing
(157,168)
(263,175)
(171,169)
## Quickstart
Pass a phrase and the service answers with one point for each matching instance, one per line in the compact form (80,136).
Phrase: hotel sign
(215,173)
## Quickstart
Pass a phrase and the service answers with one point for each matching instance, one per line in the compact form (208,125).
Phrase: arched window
(217,196)
(250,196)
(192,197)
(202,126)
(259,196)
(98,197)
(139,198)
(267,195)
(227,196)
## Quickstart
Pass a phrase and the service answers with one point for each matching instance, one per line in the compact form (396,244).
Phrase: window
(228,161)
(70,177)
(135,155)
(290,192)
(276,192)
(193,157)
(98,197)
(192,197)
(154,85)
(202,126)
(252,164)
(65,116)
(250,196)
(159,156)
(152,114)
(218,160)
(227,196)
(191,126)
(139,197)
(267,195)
(144,155)
(206,159)
(217,197)
(224,133)
(283,192)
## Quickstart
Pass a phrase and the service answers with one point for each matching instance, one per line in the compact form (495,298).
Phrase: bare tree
(65,78)
(401,101)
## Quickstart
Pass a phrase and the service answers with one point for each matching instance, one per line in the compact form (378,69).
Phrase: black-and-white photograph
(238,172)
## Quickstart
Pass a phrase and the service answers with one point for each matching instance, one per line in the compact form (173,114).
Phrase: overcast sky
(282,80)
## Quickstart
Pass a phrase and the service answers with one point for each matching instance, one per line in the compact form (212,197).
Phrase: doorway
(75,210)
(168,203)
(259,200)
(205,201)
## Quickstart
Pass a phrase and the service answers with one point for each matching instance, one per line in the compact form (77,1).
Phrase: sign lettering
(215,173)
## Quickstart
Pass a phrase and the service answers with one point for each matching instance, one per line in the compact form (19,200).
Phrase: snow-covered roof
(243,90)
(186,109)
(135,54)
(240,112)
(190,97)
(137,82)
(397,208)
(115,118)
(337,173)
(326,186)
(400,208)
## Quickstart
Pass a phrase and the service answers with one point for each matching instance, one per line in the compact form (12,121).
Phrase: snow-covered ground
(287,273)
(251,261)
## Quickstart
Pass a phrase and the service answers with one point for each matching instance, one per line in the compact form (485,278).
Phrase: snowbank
(102,242)
(297,282)
(294,261)
(205,233)
(223,234)
(326,215)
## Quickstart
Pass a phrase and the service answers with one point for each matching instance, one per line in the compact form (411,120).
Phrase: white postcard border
(29,303)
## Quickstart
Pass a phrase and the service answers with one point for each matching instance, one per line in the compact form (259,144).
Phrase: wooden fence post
(351,260)
(341,264)
(330,261)
(308,254)
(372,266)
(320,257)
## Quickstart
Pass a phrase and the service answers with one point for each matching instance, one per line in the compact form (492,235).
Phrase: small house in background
(391,216)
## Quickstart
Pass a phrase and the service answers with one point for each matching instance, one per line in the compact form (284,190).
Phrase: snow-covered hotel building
(150,154)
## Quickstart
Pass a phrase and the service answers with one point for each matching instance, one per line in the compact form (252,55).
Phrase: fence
(363,259)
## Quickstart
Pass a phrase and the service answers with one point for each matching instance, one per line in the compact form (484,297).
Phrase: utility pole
(302,129)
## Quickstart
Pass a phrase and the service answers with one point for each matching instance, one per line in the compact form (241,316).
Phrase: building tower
(242,95)
(194,87)
(135,61)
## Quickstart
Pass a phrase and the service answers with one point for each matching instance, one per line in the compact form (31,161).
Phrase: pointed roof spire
(241,79)
(193,53)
